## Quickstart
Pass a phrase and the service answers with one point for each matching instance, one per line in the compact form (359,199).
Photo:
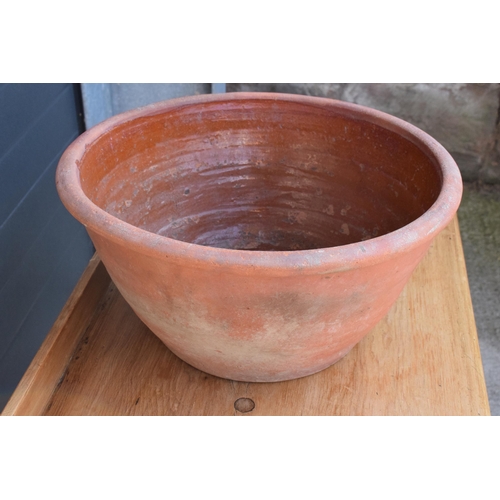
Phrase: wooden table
(422,359)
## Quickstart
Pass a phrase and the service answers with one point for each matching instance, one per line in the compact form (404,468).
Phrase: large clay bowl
(259,236)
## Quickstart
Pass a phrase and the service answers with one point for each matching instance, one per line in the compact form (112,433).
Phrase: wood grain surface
(422,359)
(48,367)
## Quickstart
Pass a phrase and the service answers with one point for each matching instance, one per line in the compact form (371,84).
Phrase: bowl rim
(359,254)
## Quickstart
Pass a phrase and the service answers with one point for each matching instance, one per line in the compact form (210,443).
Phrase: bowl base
(259,375)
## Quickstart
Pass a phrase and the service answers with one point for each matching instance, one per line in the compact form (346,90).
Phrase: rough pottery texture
(259,236)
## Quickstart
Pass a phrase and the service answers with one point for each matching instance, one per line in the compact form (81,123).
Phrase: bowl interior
(260,175)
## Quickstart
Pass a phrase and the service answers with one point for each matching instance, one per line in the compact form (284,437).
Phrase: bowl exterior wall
(249,324)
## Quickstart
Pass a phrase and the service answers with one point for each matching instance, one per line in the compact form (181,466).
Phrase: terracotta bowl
(259,236)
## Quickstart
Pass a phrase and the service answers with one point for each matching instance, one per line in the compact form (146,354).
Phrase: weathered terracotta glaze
(259,236)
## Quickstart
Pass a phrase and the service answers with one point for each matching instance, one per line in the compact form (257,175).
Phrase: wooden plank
(34,391)
(422,359)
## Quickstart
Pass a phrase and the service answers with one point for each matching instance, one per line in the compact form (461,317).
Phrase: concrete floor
(479,218)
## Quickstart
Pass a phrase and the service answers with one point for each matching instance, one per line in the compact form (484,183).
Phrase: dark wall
(43,250)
